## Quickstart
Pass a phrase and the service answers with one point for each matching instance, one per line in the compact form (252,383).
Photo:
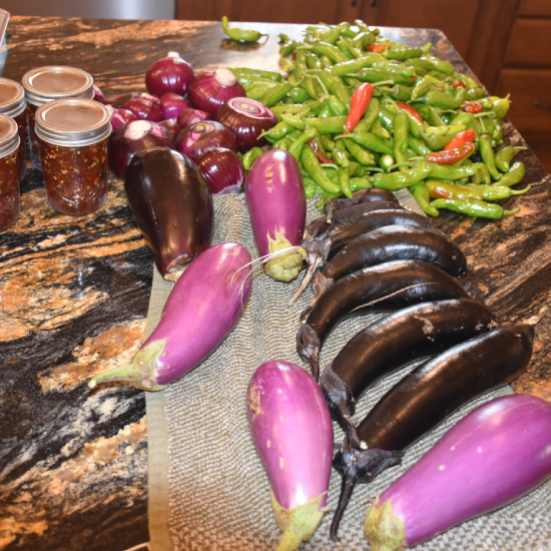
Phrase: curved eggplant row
(386,344)
(364,196)
(392,243)
(424,398)
(354,213)
(398,283)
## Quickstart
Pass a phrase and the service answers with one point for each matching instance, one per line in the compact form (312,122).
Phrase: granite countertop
(74,294)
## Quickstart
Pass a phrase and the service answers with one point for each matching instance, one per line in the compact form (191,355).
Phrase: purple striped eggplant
(293,435)
(494,455)
(202,309)
(277,207)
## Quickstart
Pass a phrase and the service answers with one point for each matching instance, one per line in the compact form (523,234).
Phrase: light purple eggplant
(277,207)
(494,455)
(292,431)
(202,309)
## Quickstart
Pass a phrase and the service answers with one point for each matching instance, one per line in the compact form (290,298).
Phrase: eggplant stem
(126,372)
(289,541)
(306,280)
(347,487)
(266,257)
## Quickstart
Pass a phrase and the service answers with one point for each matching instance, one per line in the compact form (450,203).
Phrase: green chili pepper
(287,141)
(437,64)
(514,176)
(312,61)
(398,180)
(294,122)
(422,197)
(402,53)
(401,127)
(325,111)
(359,153)
(379,130)
(259,88)
(401,92)
(313,168)
(258,74)
(340,154)
(352,47)
(345,30)
(275,94)
(352,66)
(487,154)
(336,105)
(423,85)
(288,48)
(313,86)
(475,93)
(386,162)
(472,207)
(239,35)
(328,125)
(418,146)
(335,85)
(297,94)
(250,157)
(344,182)
(386,118)
(277,132)
(481,174)
(444,172)
(448,190)
(505,155)
(370,74)
(463,118)
(501,107)
(359,183)
(329,50)
(291,108)
(436,137)
(372,142)
(310,187)
(343,47)
(445,100)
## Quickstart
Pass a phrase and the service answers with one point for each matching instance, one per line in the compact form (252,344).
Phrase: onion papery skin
(169,74)
(210,90)
(203,136)
(222,170)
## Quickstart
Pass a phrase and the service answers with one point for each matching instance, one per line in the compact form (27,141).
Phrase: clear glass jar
(51,83)
(73,137)
(9,172)
(13,105)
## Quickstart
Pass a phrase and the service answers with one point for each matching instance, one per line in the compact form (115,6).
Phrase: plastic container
(10,171)
(73,137)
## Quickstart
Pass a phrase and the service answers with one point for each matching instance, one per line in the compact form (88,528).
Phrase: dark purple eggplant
(392,243)
(424,398)
(364,196)
(386,344)
(398,283)
(354,213)
(172,206)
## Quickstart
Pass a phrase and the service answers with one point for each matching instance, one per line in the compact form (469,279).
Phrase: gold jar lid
(72,122)
(12,98)
(54,82)
(9,136)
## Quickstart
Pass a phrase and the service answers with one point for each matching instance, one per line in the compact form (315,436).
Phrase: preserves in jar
(73,137)
(13,105)
(9,172)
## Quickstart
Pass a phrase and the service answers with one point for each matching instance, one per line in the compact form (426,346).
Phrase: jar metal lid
(12,97)
(54,82)
(9,136)
(72,122)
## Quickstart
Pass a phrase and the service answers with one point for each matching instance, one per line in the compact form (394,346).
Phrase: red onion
(203,136)
(189,116)
(169,74)
(222,170)
(145,106)
(120,118)
(209,91)
(248,118)
(99,95)
(138,135)
(172,105)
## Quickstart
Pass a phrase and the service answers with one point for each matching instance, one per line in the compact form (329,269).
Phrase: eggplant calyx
(140,372)
(384,529)
(299,523)
(308,347)
(339,397)
(286,260)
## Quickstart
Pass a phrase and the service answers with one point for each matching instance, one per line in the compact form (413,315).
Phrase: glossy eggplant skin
(172,206)
(386,344)
(398,283)
(354,213)
(393,243)
(371,195)
(425,397)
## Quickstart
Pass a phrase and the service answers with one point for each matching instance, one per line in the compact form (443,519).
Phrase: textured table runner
(207,488)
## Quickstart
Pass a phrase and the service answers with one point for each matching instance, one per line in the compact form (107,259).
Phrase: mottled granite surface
(74,292)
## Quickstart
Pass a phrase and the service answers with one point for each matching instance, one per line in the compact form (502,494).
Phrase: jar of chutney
(9,172)
(73,135)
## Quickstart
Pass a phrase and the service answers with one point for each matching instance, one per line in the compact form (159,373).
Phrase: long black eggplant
(397,283)
(354,213)
(172,206)
(424,398)
(364,196)
(386,344)
(392,243)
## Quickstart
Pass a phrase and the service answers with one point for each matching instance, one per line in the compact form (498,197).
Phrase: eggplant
(491,457)
(397,283)
(277,208)
(364,196)
(424,398)
(354,213)
(293,435)
(203,307)
(386,344)
(172,206)
(392,243)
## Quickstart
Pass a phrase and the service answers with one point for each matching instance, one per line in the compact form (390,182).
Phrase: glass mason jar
(73,137)
(9,172)
(51,83)
(13,105)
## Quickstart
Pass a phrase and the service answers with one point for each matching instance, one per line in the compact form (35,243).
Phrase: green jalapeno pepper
(394,181)
(422,197)
(474,208)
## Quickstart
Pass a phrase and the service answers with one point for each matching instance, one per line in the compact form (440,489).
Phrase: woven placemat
(207,488)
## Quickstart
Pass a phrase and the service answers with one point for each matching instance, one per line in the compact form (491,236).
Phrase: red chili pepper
(461,138)
(378,48)
(361,98)
(316,148)
(458,84)
(451,156)
(410,110)
(473,107)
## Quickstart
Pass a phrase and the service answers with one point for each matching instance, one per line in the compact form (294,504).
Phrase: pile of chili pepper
(359,111)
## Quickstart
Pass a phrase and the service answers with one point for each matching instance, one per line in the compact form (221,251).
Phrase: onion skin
(169,74)
(172,105)
(203,136)
(172,206)
(248,119)
(277,207)
(493,456)
(202,309)
(210,90)
(145,106)
(121,117)
(292,431)
(190,116)
(222,170)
